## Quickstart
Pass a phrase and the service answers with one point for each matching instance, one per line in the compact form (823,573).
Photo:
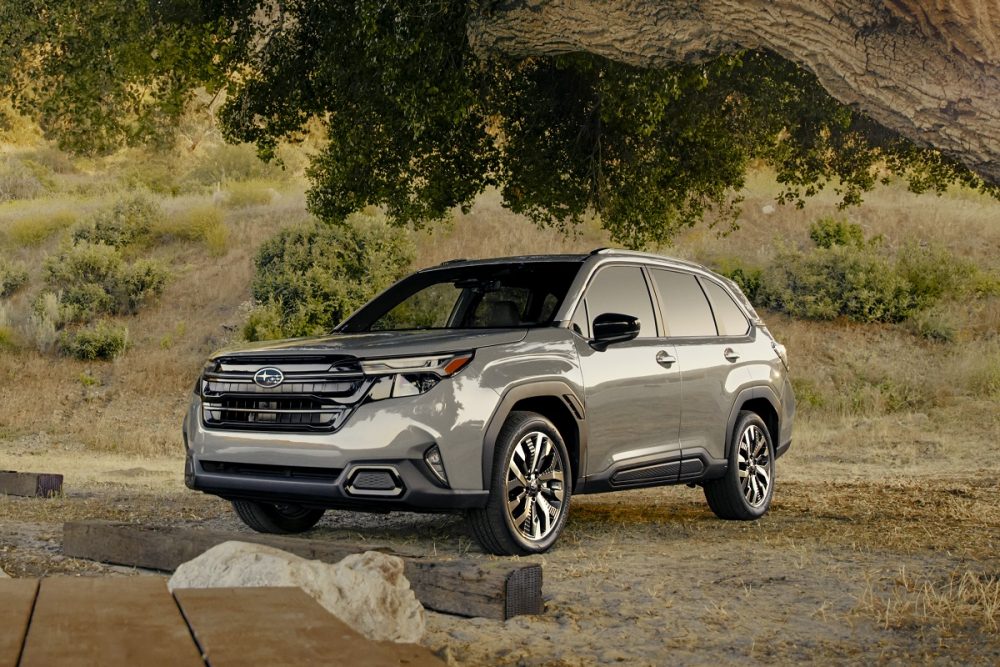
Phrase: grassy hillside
(870,394)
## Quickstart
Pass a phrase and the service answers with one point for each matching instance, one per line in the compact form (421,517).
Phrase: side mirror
(612,328)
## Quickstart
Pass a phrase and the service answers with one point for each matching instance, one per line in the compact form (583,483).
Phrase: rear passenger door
(632,388)
(712,339)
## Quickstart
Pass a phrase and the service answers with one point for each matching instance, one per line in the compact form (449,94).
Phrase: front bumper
(330,488)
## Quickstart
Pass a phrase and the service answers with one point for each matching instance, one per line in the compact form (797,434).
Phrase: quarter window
(622,289)
(685,308)
(728,316)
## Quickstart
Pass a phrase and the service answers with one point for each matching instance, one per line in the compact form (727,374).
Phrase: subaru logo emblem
(268,377)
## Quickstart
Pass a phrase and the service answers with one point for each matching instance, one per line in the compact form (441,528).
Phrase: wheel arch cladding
(555,401)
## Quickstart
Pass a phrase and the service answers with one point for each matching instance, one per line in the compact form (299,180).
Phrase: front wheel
(529,491)
(745,492)
(277,518)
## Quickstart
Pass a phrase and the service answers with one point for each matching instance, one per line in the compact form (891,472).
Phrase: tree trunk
(928,69)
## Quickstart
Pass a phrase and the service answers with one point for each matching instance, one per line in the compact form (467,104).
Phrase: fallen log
(31,484)
(493,589)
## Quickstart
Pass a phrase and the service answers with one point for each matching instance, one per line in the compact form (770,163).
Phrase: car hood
(382,343)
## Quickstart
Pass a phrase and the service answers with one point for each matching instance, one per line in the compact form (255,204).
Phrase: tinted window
(525,294)
(728,315)
(622,289)
(685,308)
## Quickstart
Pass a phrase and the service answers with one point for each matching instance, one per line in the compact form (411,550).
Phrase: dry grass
(962,600)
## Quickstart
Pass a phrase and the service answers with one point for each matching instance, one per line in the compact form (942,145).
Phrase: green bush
(12,277)
(312,276)
(130,220)
(226,163)
(829,232)
(103,341)
(857,283)
(34,230)
(91,279)
(249,193)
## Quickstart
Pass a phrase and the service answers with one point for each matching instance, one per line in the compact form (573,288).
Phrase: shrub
(826,283)
(129,221)
(104,341)
(13,276)
(226,163)
(250,193)
(311,276)
(92,279)
(34,230)
(829,232)
(201,223)
(933,272)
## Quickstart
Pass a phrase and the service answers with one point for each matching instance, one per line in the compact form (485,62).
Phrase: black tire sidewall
(498,500)
(746,420)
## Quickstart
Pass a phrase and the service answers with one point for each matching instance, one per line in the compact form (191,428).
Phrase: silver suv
(502,387)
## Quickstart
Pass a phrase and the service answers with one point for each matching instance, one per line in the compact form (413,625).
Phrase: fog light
(433,459)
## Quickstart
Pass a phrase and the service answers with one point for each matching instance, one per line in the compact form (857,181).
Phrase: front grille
(317,394)
(284,472)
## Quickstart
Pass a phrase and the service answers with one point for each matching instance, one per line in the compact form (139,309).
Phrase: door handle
(664,358)
(730,354)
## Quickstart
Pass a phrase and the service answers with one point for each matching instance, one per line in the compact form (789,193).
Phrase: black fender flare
(747,394)
(542,389)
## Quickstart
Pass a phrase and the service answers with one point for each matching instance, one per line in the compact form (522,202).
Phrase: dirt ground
(895,562)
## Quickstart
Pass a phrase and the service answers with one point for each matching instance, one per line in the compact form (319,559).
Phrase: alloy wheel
(755,465)
(534,486)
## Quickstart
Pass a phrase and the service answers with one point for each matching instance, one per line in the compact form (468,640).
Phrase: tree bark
(927,69)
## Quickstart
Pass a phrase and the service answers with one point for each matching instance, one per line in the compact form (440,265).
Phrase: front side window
(683,304)
(622,289)
(486,296)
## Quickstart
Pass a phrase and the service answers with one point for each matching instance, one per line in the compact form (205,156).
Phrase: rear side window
(728,316)
(622,289)
(685,308)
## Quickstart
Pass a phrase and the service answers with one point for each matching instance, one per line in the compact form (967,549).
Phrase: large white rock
(368,591)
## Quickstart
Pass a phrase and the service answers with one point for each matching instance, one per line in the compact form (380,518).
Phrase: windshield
(487,296)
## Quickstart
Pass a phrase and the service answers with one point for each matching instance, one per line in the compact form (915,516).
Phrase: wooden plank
(17,597)
(283,626)
(30,484)
(108,621)
(491,589)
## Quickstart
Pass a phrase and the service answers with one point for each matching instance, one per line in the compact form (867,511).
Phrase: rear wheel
(745,492)
(277,518)
(529,492)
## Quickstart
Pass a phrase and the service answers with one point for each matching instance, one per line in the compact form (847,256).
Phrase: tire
(281,519)
(731,498)
(521,478)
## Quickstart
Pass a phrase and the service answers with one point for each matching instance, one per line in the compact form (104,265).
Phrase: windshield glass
(489,296)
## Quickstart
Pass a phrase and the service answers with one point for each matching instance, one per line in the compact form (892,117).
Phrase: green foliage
(199,223)
(129,221)
(91,279)
(226,164)
(250,193)
(103,341)
(13,276)
(312,276)
(828,232)
(846,275)
(34,230)
(418,124)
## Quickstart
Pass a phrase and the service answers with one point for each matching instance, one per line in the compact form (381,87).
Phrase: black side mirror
(613,328)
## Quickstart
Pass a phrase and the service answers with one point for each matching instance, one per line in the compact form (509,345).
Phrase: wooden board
(96,621)
(492,589)
(30,484)
(17,597)
(283,626)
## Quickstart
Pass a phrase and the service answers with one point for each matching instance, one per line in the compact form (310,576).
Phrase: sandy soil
(841,570)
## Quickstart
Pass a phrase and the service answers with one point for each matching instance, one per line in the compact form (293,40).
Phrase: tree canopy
(418,123)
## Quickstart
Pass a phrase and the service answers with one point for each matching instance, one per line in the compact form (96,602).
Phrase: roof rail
(454,261)
(599,251)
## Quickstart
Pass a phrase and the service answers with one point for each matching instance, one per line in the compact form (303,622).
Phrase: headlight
(410,376)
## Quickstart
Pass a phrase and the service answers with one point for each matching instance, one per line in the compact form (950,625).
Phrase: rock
(768,209)
(368,591)
(3,575)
